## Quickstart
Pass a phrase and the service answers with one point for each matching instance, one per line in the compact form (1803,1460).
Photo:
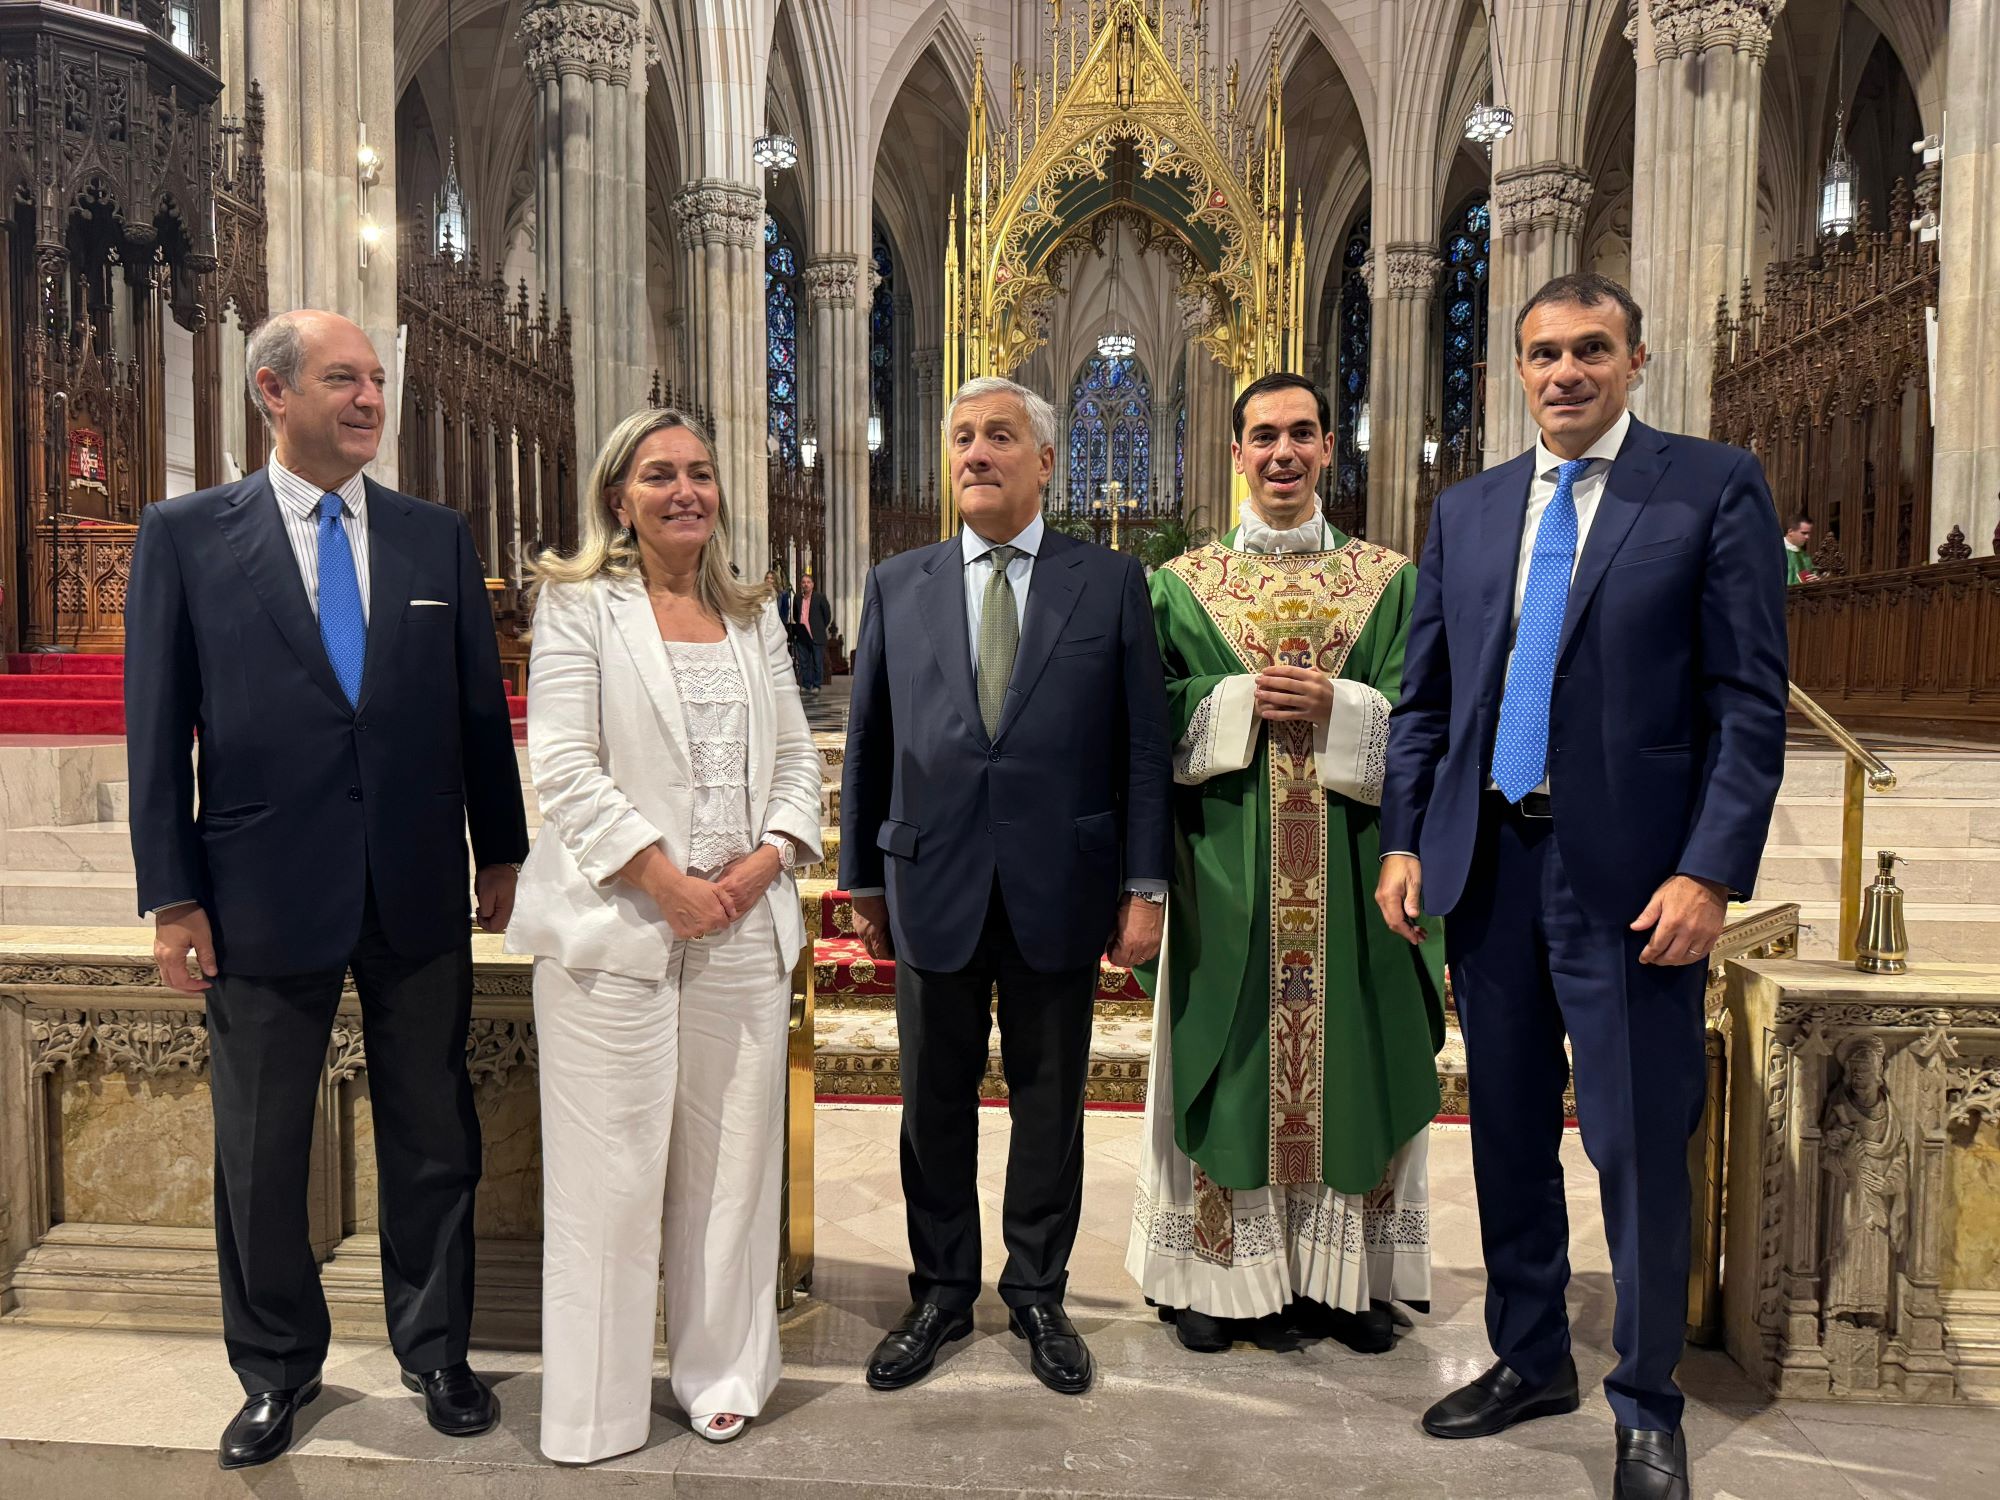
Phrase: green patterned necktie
(999,638)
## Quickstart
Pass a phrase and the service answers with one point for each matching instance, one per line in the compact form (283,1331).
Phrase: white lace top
(718,719)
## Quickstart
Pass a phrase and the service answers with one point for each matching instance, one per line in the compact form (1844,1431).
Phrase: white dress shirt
(978,555)
(1585,491)
(298,507)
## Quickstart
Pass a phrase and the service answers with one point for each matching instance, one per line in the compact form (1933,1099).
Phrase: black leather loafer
(1202,1333)
(1498,1399)
(263,1428)
(456,1400)
(1651,1465)
(1056,1351)
(908,1350)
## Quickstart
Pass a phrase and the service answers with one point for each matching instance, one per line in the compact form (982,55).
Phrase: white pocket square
(434,603)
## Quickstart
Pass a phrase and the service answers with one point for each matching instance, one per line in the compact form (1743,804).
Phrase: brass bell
(1882,945)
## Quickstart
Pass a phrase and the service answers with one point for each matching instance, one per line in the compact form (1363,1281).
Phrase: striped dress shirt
(298,507)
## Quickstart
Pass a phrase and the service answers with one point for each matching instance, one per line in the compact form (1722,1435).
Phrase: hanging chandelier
(775,153)
(450,210)
(1491,121)
(809,445)
(1362,436)
(1114,342)
(1836,183)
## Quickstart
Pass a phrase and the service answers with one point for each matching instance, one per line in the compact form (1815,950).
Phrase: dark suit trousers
(268,1044)
(1529,964)
(944,1022)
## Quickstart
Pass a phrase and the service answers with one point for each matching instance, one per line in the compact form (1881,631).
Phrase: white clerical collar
(1792,546)
(1252,535)
(1606,447)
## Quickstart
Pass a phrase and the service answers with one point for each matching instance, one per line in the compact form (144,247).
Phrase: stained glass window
(1110,432)
(882,356)
(1356,323)
(1468,247)
(781,336)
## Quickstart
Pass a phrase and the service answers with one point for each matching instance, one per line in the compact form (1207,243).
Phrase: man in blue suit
(326,647)
(1581,772)
(1004,816)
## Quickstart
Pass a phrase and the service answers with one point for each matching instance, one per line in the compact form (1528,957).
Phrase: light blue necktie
(1521,748)
(343,629)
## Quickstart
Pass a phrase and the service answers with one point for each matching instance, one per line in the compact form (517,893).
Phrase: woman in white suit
(678,786)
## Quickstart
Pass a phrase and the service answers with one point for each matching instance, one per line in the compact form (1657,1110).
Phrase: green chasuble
(1297,1061)
(1799,566)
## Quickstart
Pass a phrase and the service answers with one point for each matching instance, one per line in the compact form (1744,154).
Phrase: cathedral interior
(808,222)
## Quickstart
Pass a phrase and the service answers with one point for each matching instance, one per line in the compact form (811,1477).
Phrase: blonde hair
(606,547)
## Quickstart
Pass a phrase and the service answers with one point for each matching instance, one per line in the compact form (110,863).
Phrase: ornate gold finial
(1232,86)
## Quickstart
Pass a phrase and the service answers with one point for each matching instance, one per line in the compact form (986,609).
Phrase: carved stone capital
(833,279)
(1683,27)
(1411,271)
(1541,195)
(587,38)
(720,213)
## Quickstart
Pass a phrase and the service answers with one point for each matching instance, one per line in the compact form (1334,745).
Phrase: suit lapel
(943,607)
(633,613)
(1053,590)
(1503,516)
(1634,473)
(256,535)
(390,568)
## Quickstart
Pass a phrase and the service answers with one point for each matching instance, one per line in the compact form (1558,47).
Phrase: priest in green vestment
(1295,1038)
(1799,566)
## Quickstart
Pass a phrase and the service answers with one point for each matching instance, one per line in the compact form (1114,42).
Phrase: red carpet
(67,692)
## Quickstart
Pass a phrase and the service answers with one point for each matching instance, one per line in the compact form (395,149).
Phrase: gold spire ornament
(1127,132)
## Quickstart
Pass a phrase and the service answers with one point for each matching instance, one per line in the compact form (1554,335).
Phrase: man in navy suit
(1004,816)
(326,647)
(1580,774)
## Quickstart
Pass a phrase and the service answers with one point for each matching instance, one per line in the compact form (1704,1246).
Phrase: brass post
(1853,792)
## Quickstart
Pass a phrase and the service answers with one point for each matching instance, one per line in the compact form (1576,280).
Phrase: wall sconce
(367,173)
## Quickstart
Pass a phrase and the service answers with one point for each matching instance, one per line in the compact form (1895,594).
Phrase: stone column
(833,284)
(906,394)
(328,70)
(1211,490)
(928,367)
(580,54)
(1965,407)
(1537,234)
(1403,282)
(1694,199)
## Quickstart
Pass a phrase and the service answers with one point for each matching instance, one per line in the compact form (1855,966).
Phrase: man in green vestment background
(1294,1057)
(1799,566)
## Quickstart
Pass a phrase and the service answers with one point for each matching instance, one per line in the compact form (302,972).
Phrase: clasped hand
(1286,692)
(695,908)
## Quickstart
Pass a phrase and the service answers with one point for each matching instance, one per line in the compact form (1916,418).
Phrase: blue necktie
(343,629)
(1521,749)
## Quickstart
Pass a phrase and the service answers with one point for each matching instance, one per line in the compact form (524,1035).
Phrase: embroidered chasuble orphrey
(1303,1033)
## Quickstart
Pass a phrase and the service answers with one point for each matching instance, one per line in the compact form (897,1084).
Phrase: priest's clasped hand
(1296,693)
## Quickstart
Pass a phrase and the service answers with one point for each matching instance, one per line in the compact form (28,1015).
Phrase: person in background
(807,620)
(1799,566)
(679,787)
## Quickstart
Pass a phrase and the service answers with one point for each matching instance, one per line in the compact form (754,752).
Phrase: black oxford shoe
(1498,1399)
(1202,1333)
(456,1400)
(908,1350)
(1651,1465)
(263,1428)
(1056,1351)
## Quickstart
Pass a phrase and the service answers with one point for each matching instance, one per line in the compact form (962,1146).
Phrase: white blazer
(607,748)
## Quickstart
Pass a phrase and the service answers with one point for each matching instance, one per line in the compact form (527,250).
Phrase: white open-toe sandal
(723,1427)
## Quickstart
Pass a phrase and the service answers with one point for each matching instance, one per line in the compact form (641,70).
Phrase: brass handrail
(1863,771)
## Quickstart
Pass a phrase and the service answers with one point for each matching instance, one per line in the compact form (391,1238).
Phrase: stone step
(1812,773)
(1938,932)
(1892,821)
(1811,872)
(69,898)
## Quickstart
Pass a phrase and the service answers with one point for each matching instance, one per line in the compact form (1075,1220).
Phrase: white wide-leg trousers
(660,1092)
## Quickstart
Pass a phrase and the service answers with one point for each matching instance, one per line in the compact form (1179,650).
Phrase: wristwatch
(1151,898)
(787,850)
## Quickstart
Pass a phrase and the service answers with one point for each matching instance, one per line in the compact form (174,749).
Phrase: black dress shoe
(1498,1399)
(456,1400)
(1202,1333)
(1370,1331)
(908,1350)
(1651,1465)
(1056,1351)
(263,1428)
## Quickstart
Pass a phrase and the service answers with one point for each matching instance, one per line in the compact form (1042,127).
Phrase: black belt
(1534,805)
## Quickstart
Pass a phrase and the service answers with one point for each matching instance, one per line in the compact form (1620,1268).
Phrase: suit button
(993,755)
(362,728)
(354,794)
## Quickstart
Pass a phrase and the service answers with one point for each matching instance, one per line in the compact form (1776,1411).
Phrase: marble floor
(89,1415)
